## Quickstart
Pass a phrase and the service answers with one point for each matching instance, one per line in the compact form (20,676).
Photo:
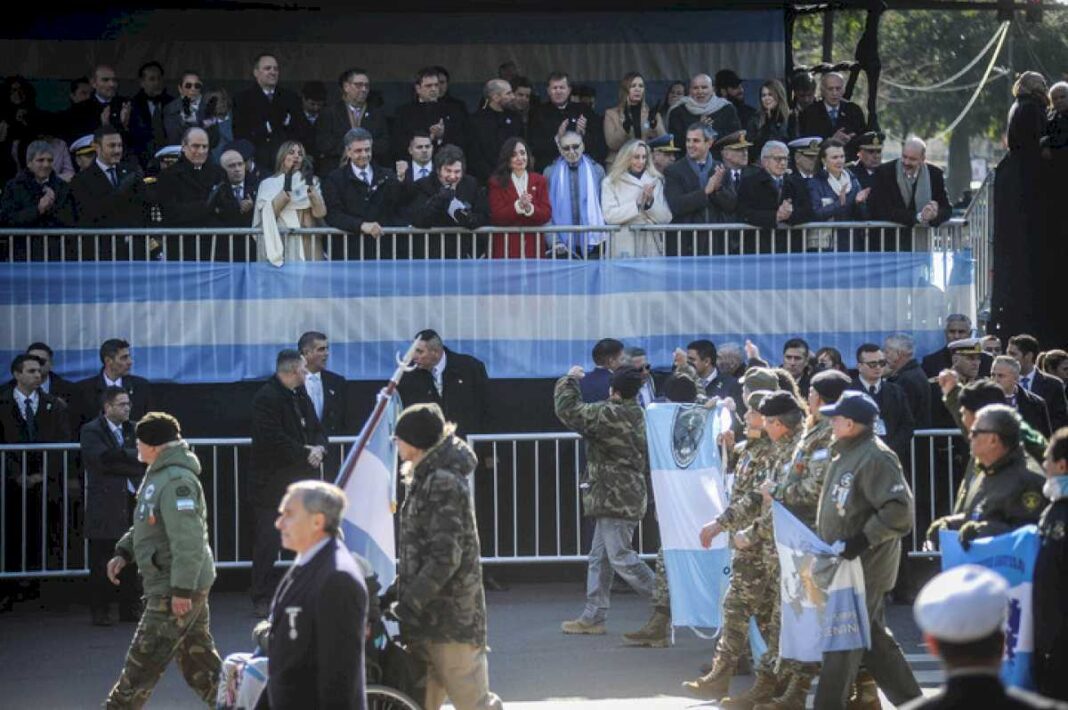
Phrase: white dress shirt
(438,373)
(313,383)
(20,400)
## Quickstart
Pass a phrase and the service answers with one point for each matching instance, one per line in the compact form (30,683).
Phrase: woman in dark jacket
(836,194)
(772,121)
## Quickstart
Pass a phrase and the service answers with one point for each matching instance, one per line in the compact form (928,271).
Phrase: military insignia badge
(150,490)
(687,430)
(1031,500)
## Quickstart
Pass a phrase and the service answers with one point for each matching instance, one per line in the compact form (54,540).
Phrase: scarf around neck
(589,204)
(922,195)
(714,103)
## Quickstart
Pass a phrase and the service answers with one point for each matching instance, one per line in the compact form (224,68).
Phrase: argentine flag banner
(371,491)
(1013,556)
(689,491)
(823,601)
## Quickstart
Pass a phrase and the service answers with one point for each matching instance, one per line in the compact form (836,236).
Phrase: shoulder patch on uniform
(183,491)
(820,454)
(185,504)
(1031,500)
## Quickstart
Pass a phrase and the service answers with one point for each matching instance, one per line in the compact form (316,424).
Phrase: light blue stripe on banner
(357,540)
(698,604)
(46,283)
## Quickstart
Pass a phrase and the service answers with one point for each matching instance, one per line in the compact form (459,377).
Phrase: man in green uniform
(169,543)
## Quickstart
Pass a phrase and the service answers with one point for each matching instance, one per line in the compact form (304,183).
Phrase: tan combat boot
(762,691)
(793,698)
(714,684)
(656,633)
(865,693)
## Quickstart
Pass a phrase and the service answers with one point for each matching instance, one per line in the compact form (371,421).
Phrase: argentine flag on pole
(689,490)
(371,489)
(1013,556)
(823,601)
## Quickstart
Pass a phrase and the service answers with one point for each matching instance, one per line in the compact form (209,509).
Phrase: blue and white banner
(689,491)
(823,597)
(191,322)
(371,491)
(1013,556)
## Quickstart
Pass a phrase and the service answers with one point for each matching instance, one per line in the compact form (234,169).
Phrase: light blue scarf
(590,209)
(1056,487)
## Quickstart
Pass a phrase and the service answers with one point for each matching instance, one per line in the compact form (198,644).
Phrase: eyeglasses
(192,85)
(571,147)
(976,432)
(779,158)
(875,363)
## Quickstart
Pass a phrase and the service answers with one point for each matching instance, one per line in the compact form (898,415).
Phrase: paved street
(52,659)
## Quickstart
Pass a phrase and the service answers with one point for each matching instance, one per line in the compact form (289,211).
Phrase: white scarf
(273,246)
(840,184)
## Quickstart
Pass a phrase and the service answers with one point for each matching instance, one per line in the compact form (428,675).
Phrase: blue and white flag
(689,491)
(823,597)
(371,490)
(1013,556)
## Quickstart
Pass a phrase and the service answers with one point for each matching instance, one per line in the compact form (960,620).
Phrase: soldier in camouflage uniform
(169,543)
(748,591)
(798,488)
(441,605)
(613,491)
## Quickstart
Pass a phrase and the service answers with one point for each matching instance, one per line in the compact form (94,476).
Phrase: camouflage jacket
(778,466)
(439,574)
(617,455)
(751,459)
(800,482)
(169,536)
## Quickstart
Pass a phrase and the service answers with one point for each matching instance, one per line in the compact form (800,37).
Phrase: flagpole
(376,416)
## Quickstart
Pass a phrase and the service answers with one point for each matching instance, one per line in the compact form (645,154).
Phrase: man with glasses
(575,194)
(352,111)
(895,423)
(187,111)
(770,197)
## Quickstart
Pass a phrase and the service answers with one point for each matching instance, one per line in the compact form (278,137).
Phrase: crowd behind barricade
(1008,406)
(272,159)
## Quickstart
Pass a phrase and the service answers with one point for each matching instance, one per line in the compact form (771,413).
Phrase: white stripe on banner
(689,491)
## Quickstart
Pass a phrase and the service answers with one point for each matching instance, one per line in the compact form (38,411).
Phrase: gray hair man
(904,371)
(1032,408)
(637,358)
(575,193)
(360,197)
(37,198)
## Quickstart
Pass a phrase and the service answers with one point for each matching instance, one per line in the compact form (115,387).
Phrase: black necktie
(31,423)
(237,192)
(871,389)
(113,175)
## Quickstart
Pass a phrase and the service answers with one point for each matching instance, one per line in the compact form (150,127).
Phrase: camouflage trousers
(661,595)
(161,636)
(753,592)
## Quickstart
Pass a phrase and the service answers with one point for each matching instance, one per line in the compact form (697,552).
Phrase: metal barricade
(938,458)
(979,220)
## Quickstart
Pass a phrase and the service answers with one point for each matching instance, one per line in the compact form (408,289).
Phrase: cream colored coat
(619,203)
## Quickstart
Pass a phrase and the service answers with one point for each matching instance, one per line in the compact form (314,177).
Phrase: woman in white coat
(289,198)
(633,193)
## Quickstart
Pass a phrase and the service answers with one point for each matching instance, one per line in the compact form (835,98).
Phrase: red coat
(502,214)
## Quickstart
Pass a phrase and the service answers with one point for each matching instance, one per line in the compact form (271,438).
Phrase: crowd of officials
(796,420)
(271,158)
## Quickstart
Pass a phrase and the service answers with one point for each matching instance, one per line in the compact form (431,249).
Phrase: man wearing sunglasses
(575,194)
(895,422)
(187,111)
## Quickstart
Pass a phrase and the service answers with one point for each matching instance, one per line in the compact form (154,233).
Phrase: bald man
(908,191)
(184,187)
(233,198)
(491,126)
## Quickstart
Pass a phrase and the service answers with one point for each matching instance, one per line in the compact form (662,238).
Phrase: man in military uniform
(614,490)
(1006,490)
(440,603)
(798,488)
(169,543)
(869,156)
(962,614)
(748,591)
(866,504)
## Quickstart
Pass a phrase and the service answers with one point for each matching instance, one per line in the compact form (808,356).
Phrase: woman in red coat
(518,197)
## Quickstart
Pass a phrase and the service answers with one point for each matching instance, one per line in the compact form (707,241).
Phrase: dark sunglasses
(571,147)
(875,363)
(976,432)
(189,85)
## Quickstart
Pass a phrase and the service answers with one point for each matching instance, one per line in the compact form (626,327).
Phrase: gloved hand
(936,527)
(287,186)
(854,546)
(968,532)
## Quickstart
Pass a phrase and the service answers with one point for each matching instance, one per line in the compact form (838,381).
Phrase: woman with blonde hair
(633,193)
(290,198)
(631,118)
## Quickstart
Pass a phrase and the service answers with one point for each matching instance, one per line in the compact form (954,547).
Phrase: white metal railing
(532,513)
(979,221)
(410,244)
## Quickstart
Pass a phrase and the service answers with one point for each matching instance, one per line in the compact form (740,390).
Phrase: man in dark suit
(1032,408)
(906,373)
(908,191)
(832,116)
(895,422)
(444,122)
(771,197)
(104,108)
(327,390)
(315,635)
(550,120)
(701,356)
(491,126)
(147,134)
(112,472)
(184,187)
(361,199)
(456,382)
(352,111)
(1025,349)
(958,327)
(698,191)
(306,122)
(117,363)
(109,193)
(51,382)
(449,198)
(288,445)
(189,110)
(232,198)
(869,148)
(265,113)
(37,198)
(607,356)
(421,152)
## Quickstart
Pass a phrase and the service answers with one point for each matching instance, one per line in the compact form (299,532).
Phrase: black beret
(627,380)
(778,403)
(421,425)
(157,428)
(830,384)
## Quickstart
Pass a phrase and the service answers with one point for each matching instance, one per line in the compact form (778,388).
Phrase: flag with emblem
(688,486)
(1013,556)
